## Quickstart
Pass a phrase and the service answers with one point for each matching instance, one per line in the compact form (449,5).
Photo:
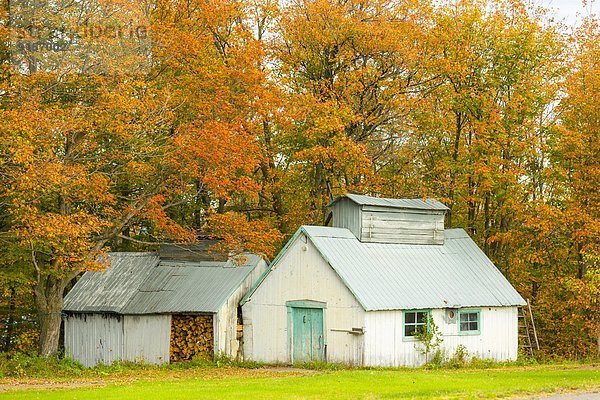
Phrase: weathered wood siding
(394,225)
(94,339)
(146,338)
(226,320)
(346,214)
(301,274)
(385,344)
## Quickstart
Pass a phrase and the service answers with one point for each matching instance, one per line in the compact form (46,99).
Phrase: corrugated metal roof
(402,276)
(386,276)
(415,204)
(189,286)
(139,283)
(110,290)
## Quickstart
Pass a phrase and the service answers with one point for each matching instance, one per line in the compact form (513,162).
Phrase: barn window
(415,321)
(469,321)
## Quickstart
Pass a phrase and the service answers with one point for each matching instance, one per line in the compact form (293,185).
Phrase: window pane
(409,330)
(422,317)
(469,322)
(409,317)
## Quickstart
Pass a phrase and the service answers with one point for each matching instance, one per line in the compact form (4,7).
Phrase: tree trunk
(598,337)
(49,303)
(49,332)
(9,321)
(453,172)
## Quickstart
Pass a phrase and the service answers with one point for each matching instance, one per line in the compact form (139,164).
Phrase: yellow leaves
(67,238)
(222,155)
(155,213)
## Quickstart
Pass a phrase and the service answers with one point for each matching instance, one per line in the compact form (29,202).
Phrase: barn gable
(290,255)
(300,279)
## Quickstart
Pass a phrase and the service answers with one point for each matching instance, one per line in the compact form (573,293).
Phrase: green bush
(460,358)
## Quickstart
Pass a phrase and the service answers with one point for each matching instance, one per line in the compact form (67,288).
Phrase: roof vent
(379,220)
(200,251)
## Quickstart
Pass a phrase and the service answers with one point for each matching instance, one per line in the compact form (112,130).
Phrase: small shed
(148,308)
(358,292)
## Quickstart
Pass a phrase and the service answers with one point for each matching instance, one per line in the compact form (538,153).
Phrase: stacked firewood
(191,335)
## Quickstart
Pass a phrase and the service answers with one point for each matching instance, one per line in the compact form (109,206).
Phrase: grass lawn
(265,383)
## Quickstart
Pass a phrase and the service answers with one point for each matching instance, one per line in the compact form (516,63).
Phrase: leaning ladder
(526,329)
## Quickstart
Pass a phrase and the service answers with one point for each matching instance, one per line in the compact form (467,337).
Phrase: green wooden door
(308,342)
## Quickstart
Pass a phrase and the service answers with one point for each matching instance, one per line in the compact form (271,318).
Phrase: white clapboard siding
(381,224)
(301,274)
(436,238)
(402,226)
(404,214)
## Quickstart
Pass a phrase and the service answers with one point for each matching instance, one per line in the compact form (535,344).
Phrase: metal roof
(189,286)
(414,204)
(386,276)
(140,283)
(111,289)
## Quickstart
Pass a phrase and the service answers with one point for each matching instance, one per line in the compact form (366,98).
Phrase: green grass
(237,383)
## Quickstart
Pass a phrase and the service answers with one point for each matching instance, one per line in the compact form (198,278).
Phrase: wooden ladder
(526,329)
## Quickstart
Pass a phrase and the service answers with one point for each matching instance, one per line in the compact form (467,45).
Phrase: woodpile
(191,335)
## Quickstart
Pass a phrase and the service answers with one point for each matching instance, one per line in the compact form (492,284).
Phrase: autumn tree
(569,298)
(91,156)
(345,71)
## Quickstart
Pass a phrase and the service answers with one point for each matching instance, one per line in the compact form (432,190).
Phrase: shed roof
(140,283)
(414,204)
(384,276)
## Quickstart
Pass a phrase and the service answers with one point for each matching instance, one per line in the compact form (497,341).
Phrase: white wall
(301,274)
(304,275)
(226,320)
(94,339)
(386,346)
(147,338)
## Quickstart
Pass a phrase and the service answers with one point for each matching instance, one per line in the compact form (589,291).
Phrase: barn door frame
(295,304)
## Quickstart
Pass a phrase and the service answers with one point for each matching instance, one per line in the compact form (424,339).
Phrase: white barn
(356,292)
(126,312)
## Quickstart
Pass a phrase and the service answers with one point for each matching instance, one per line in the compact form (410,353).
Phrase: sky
(569,11)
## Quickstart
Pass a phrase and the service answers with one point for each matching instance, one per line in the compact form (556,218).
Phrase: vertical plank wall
(301,274)
(94,339)
(347,214)
(226,320)
(386,346)
(147,338)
